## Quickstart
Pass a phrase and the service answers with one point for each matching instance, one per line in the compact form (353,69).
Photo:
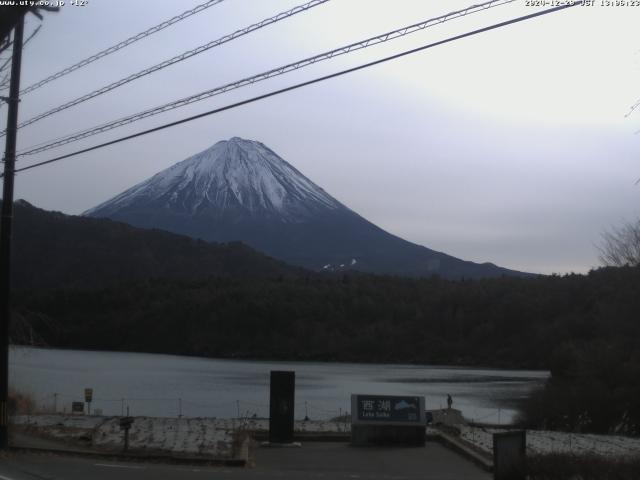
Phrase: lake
(169,385)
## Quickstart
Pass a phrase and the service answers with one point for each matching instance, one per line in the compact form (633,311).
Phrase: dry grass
(21,403)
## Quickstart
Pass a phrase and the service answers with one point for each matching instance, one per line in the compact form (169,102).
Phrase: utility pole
(5,229)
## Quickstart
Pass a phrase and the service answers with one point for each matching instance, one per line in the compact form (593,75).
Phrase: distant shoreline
(280,360)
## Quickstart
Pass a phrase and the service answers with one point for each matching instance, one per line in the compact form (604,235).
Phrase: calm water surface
(167,385)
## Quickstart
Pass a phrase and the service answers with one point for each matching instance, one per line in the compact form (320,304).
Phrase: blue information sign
(385,408)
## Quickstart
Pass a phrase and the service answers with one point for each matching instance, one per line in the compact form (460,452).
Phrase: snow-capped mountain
(241,190)
(237,175)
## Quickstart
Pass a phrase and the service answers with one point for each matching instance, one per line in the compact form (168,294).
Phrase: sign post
(125,424)
(387,419)
(88,396)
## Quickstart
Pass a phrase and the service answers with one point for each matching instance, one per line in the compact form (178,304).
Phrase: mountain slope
(53,250)
(241,190)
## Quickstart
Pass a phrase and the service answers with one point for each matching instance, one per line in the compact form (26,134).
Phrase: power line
(8,61)
(4,65)
(263,76)
(121,45)
(303,84)
(633,108)
(4,82)
(6,45)
(178,58)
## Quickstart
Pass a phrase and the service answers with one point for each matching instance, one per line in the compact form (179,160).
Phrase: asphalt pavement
(314,460)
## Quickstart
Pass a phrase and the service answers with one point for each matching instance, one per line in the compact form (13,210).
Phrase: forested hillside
(500,322)
(96,284)
(54,250)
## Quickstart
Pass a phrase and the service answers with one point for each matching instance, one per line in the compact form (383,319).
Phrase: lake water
(167,385)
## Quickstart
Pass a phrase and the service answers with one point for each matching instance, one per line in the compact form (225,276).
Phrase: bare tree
(621,246)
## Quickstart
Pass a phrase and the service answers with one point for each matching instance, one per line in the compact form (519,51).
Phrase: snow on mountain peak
(234,173)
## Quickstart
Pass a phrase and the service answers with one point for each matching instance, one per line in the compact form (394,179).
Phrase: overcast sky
(510,147)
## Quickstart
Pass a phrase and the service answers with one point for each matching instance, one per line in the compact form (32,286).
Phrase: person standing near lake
(449,401)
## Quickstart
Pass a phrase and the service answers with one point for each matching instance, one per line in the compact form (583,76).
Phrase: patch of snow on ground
(184,436)
(540,441)
(175,435)
(213,437)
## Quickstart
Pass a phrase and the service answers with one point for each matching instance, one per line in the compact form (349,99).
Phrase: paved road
(312,461)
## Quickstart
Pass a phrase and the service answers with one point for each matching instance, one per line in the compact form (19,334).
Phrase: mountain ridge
(55,250)
(242,190)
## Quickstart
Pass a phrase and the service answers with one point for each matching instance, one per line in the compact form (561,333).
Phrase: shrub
(558,466)
(21,403)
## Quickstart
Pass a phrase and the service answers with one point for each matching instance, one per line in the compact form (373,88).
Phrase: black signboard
(77,407)
(126,422)
(281,406)
(384,408)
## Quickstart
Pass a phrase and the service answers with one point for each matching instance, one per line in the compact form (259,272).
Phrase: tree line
(584,328)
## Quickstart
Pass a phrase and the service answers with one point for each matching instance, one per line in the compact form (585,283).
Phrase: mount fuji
(241,190)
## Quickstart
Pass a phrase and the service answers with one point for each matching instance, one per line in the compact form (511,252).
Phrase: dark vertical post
(125,424)
(126,439)
(510,455)
(281,406)
(5,229)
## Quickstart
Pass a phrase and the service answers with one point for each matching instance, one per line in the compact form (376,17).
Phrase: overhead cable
(122,44)
(178,58)
(401,32)
(303,84)
(27,40)
(633,108)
